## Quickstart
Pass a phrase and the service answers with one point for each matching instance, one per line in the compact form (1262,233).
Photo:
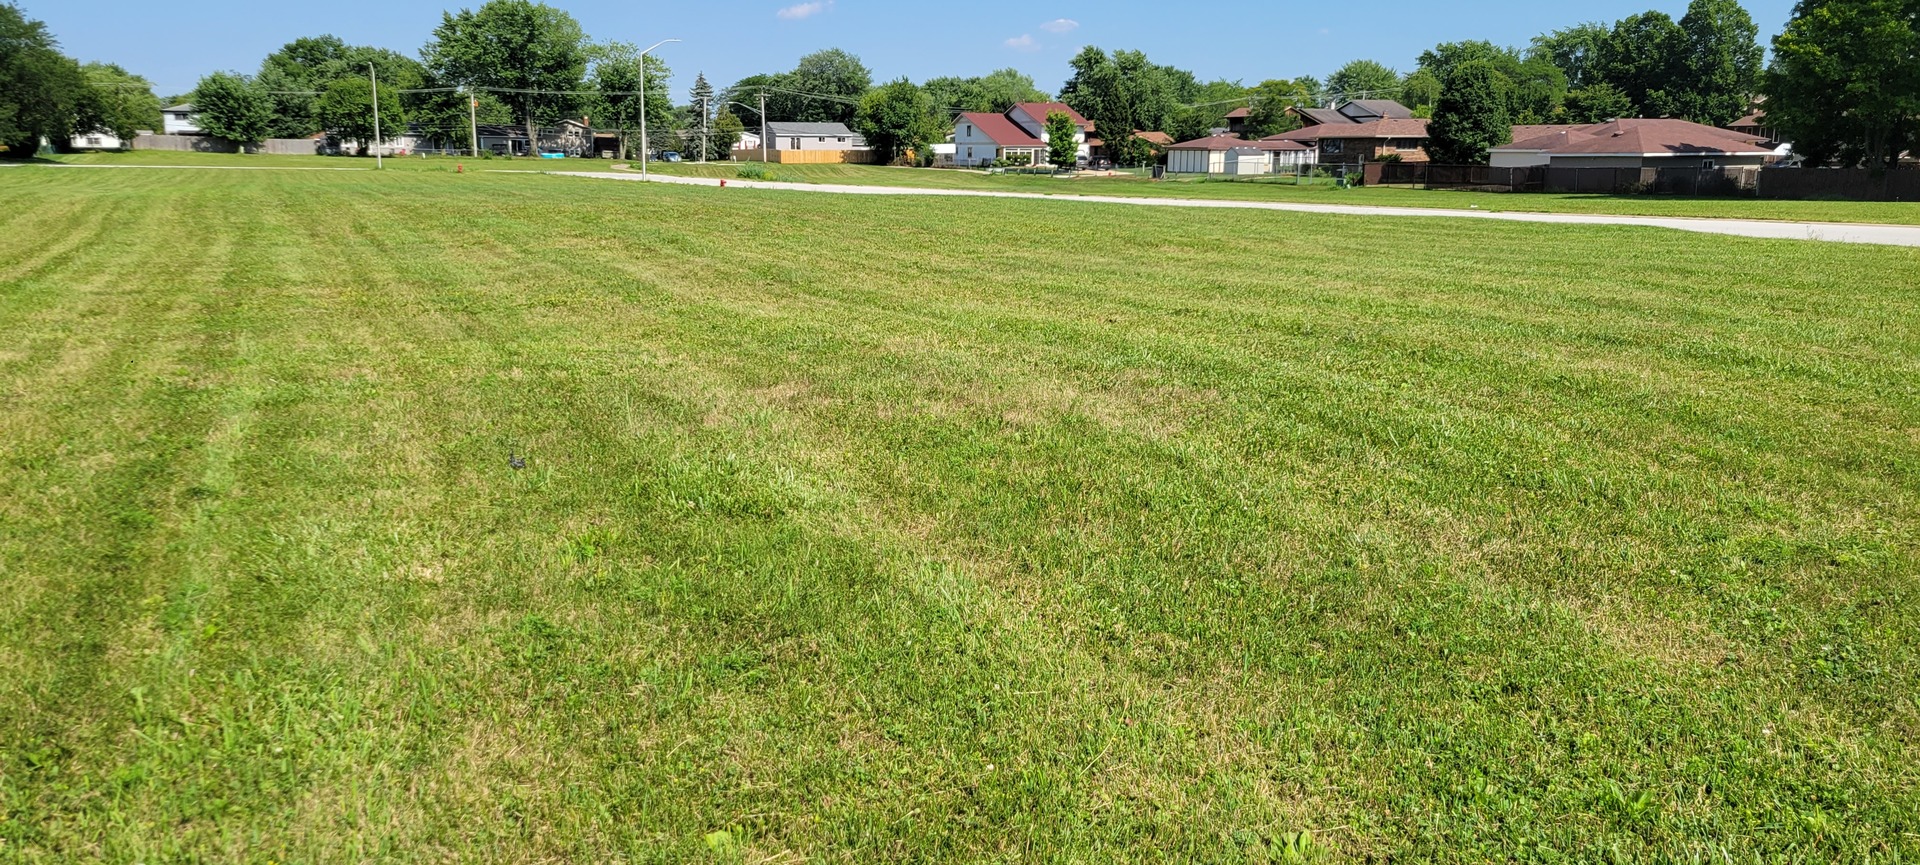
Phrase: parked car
(670,156)
(552,154)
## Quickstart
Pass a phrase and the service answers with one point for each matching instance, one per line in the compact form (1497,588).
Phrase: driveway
(1837,232)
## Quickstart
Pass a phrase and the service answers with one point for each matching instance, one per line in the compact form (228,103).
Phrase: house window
(969,131)
(1709,163)
(793,144)
(94,141)
(842,139)
(1331,145)
(823,139)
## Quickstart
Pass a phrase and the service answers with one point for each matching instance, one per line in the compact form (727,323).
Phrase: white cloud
(1061,25)
(1023,42)
(803,10)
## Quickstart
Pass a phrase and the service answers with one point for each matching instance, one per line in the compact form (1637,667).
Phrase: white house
(180,120)
(980,138)
(813,136)
(99,141)
(1231,154)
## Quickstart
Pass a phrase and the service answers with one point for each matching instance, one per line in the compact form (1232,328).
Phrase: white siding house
(180,120)
(98,141)
(979,138)
(813,136)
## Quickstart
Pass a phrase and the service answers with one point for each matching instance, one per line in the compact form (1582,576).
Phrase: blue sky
(173,44)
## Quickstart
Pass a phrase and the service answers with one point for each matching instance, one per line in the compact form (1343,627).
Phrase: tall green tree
(1644,56)
(825,86)
(1535,87)
(1470,117)
(995,92)
(515,45)
(1845,81)
(1205,110)
(1722,61)
(1062,150)
(40,88)
(1596,103)
(115,101)
(1269,114)
(1363,79)
(346,111)
(1572,50)
(442,111)
(701,94)
(615,103)
(1121,92)
(1419,90)
(233,107)
(295,76)
(897,117)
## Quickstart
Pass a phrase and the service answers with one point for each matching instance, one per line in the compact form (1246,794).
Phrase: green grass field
(888,529)
(1879,212)
(1897,213)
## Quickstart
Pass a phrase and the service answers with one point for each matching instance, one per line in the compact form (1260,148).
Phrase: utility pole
(375,75)
(705,108)
(763,126)
(646,149)
(473,125)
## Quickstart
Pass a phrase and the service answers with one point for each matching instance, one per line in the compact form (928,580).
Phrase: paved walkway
(1839,232)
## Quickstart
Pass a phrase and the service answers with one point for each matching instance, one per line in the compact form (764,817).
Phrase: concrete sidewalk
(1836,232)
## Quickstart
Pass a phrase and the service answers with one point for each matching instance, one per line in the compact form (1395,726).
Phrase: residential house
(1754,124)
(1378,140)
(813,136)
(101,141)
(1632,143)
(180,119)
(979,138)
(1229,154)
(572,137)
(1237,121)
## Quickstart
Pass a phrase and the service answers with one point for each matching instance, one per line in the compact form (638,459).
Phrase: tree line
(1844,86)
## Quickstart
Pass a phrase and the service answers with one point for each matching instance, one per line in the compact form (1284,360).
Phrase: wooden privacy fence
(811,157)
(1540,178)
(214,144)
(1482,177)
(1853,184)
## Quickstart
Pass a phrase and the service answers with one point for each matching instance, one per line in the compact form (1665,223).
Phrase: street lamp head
(644,51)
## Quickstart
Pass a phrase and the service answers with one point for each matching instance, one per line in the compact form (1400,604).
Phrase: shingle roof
(813,129)
(184,106)
(1317,116)
(1369,129)
(1001,130)
(1386,108)
(1238,113)
(1160,138)
(1639,136)
(1040,110)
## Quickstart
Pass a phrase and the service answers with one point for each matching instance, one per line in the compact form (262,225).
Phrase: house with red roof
(1381,139)
(980,138)
(1633,142)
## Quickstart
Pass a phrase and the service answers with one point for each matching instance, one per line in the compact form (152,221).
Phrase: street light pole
(375,75)
(646,150)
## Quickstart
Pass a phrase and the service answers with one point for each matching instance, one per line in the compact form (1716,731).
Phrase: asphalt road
(1835,232)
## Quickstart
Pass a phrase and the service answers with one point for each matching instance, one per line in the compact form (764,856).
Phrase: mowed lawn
(1319,191)
(861,529)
